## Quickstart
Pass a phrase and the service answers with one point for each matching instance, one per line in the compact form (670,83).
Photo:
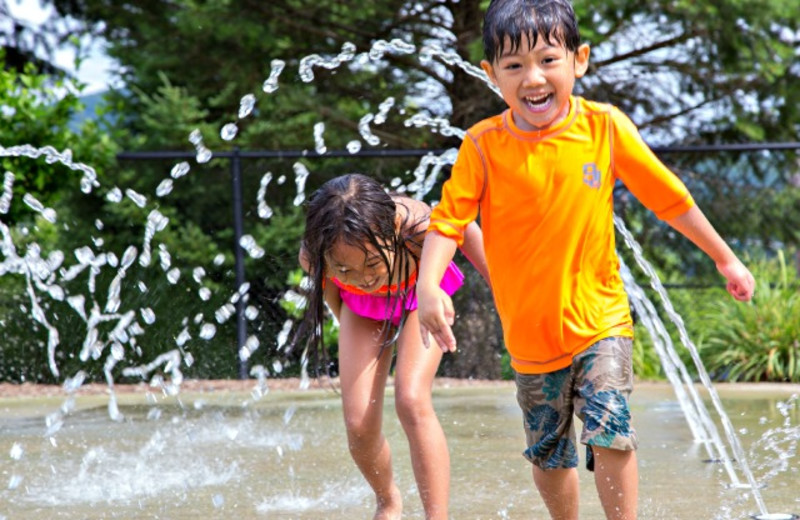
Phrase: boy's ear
(582,60)
(489,70)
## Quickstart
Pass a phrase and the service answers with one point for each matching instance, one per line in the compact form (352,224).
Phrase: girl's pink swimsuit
(378,306)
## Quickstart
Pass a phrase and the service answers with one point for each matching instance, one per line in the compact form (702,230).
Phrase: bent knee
(413,407)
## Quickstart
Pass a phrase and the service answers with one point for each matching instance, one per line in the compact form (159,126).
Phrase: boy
(542,174)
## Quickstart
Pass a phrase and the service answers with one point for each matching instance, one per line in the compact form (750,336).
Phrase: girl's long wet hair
(355,210)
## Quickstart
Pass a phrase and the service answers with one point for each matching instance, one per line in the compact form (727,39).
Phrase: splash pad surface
(213,451)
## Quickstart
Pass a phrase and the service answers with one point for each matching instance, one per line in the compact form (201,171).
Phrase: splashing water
(271,83)
(43,276)
(730,432)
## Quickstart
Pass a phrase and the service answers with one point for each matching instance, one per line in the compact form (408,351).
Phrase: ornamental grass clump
(760,340)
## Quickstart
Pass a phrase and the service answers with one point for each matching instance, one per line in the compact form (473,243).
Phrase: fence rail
(235,156)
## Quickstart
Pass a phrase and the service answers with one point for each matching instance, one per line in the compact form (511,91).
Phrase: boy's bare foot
(391,507)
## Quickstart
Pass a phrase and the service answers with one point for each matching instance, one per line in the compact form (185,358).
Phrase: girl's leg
(363,379)
(414,372)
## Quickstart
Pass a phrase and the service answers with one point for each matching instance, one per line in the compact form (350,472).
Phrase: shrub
(757,341)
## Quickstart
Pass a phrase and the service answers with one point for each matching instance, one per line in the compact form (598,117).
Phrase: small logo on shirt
(591,175)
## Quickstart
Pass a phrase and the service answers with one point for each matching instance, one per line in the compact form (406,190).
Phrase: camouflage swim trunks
(596,388)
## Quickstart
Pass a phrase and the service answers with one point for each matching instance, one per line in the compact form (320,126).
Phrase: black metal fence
(236,156)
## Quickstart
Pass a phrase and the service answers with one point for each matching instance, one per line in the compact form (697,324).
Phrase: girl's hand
(741,283)
(436,317)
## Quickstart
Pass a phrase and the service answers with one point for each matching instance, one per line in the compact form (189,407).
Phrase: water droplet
(114,195)
(14,482)
(183,337)
(301,173)
(319,140)
(137,198)
(8,192)
(173,275)
(229,131)
(179,170)
(208,330)
(366,133)
(117,352)
(17,451)
(289,413)
(203,155)
(251,312)
(195,137)
(219,259)
(271,83)
(246,105)
(198,273)
(264,211)
(224,313)
(248,243)
(354,146)
(283,335)
(164,188)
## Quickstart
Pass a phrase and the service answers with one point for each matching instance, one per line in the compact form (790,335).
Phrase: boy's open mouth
(538,103)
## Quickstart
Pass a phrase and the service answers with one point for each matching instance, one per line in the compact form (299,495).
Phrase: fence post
(238,254)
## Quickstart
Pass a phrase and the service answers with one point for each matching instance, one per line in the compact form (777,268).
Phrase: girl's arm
(332,298)
(472,248)
(694,226)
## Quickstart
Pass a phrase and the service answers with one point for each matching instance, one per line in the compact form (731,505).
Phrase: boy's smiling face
(537,83)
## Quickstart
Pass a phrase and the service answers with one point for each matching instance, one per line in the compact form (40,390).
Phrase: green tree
(36,110)
(687,72)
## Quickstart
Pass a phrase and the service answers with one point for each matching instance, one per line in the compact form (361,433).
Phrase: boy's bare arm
(435,308)
(696,227)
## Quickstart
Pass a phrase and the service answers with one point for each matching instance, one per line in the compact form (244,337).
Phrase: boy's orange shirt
(546,210)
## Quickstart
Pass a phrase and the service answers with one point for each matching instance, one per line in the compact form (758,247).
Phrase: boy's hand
(741,283)
(436,317)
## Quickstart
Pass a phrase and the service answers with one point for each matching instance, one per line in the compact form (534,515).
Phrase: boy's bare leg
(363,379)
(559,490)
(617,479)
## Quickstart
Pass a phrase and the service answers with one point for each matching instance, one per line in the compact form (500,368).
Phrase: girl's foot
(391,507)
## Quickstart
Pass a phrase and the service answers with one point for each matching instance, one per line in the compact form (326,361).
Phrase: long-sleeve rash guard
(546,210)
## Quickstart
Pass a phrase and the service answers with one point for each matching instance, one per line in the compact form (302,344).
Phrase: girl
(361,248)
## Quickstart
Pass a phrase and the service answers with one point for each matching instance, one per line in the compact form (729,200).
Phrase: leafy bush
(758,341)
(646,363)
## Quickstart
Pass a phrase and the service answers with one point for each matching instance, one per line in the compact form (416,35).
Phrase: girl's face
(363,268)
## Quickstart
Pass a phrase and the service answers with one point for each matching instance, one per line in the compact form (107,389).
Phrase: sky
(94,69)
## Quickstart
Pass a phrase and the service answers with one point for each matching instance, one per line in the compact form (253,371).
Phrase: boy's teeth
(536,100)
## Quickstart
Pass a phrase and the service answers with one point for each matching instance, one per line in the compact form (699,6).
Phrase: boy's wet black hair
(553,20)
